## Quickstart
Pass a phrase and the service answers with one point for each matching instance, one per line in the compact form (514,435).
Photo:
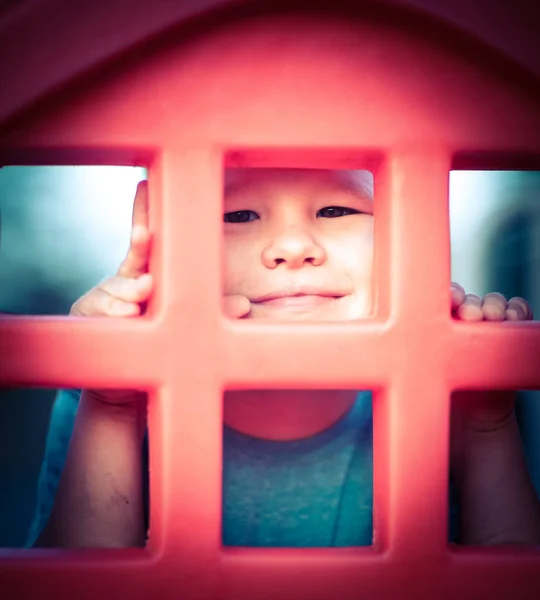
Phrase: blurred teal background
(66,228)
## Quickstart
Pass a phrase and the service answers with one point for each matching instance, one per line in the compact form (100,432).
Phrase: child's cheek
(355,254)
(361,306)
(354,251)
(232,265)
(239,260)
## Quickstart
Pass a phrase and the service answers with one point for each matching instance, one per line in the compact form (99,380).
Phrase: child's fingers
(136,261)
(471,308)
(117,296)
(102,304)
(236,306)
(127,289)
(518,309)
(140,206)
(494,307)
(457,293)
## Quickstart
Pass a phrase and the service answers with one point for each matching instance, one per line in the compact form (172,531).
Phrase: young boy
(297,464)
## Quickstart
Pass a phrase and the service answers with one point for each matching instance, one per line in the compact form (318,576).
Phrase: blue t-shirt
(314,492)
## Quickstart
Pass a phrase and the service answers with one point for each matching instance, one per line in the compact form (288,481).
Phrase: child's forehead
(356,181)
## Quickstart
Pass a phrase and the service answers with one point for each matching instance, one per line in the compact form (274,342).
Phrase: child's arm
(499,504)
(99,502)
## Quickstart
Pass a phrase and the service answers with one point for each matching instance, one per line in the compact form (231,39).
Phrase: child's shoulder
(363,407)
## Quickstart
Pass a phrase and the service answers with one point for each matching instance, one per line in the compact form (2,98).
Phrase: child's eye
(240,216)
(331,212)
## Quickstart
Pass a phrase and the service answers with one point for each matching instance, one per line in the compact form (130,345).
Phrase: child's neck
(285,414)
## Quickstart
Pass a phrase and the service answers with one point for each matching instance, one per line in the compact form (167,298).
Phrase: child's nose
(294,248)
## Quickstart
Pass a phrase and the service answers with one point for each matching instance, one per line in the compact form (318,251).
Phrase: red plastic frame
(285,91)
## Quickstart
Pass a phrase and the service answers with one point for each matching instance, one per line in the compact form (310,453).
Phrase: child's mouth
(297,302)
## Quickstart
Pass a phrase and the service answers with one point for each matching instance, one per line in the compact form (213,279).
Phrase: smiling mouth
(299,301)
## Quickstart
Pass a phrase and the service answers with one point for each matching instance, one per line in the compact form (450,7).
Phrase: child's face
(290,232)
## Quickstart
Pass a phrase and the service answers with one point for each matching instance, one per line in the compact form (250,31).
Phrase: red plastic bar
(285,91)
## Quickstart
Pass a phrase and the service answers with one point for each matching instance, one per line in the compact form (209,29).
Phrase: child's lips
(303,302)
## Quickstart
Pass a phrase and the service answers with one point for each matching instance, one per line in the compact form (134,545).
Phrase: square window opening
(495,233)
(297,468)
(494,468)
(298,244)
(37,426)
(64,229)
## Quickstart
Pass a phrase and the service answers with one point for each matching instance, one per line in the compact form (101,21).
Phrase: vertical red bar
(411,424)
(185,421)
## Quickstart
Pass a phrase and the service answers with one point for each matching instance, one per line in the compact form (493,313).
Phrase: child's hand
(123,294)
(492,307)
(236,306)
(485,410)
